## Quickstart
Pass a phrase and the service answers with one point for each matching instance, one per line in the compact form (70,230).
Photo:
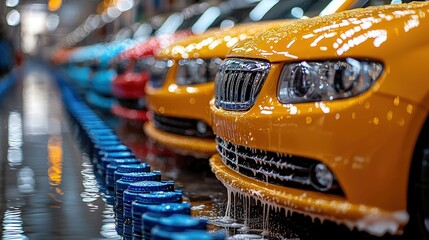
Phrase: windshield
(182,20)
(368,3)
(275,9)
(223,15)
(212,17)
(236,15)
(285,9)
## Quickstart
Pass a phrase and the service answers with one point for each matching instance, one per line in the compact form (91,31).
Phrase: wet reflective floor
(48,189)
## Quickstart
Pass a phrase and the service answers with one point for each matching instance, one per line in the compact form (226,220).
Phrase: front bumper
(365,218)
(185,145)
(129,114)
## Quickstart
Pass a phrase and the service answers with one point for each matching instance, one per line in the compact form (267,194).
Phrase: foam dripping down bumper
(373,220)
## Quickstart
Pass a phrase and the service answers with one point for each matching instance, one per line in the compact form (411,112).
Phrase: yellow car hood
(216,43)
(371,32)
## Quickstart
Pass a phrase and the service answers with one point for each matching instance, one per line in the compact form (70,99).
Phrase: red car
(134,67)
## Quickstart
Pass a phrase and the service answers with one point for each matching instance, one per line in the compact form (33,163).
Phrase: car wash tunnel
(220,119)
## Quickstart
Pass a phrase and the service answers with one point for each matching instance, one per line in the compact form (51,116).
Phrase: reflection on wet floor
(39,165)
(48,189)
(12,224)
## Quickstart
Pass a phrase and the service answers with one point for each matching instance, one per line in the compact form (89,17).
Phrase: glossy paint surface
(368,140)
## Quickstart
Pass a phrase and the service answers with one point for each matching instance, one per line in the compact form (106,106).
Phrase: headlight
(196,71)
(120,66)
(326,80)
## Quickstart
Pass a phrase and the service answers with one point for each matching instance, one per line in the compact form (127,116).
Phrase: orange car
(180,104)
(329,117)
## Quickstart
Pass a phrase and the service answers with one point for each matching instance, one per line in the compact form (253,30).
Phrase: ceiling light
(113,12)
(52,22)
(12,3)
(124,5)
(13,18)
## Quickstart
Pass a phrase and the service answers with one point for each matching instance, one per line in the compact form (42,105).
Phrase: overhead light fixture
(261,9)
(332,7)
(297,12)
(206,20)
(106,18)
(92,22)
(13,18)
(113,12)
(33,18)
(12,3)
(124,5)
(52,22)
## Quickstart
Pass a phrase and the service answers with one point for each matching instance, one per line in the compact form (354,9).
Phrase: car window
(295,9)
(237,15)
(187,23)
(385,2)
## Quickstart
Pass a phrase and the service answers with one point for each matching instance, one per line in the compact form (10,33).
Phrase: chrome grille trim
(280,165)
(238,82)
(270,167)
